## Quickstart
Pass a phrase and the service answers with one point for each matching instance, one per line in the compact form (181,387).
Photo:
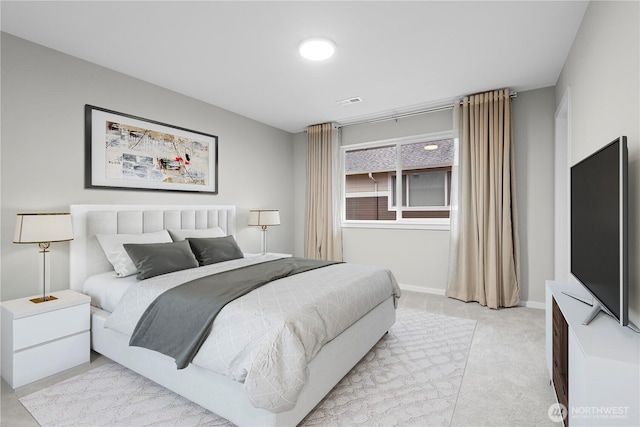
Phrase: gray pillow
(215,249)
(154,259)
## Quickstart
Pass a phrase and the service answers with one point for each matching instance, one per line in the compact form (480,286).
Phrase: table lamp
(43,229)
(264,218)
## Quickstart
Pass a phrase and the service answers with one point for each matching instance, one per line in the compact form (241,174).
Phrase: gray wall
(299,190)
(42,163)
(533,139)
(603,72)
(419,258)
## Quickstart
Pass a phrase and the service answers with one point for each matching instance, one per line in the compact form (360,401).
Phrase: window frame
(399,222)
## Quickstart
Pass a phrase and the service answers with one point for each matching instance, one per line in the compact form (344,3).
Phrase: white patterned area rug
(410,378)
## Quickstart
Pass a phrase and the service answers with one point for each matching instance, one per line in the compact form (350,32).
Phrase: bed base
(224,396)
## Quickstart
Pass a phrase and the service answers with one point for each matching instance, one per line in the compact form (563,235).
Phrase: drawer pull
(564,391)
(555,363)
(555,333)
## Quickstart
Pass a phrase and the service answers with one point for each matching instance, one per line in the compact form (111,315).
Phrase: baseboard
(532,304)
(421,289)
(435,291)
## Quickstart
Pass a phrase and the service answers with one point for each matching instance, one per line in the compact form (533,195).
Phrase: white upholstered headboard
(86,257)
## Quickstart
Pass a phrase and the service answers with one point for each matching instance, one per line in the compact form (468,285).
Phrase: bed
(216,392)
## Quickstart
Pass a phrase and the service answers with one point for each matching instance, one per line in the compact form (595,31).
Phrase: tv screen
(599,227)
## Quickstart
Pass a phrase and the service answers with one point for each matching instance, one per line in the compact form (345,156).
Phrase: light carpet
(410,378)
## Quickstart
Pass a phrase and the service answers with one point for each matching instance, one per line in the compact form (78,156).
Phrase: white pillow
(118,257)
(182,234)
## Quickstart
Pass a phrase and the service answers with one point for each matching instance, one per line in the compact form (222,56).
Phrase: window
(371,185)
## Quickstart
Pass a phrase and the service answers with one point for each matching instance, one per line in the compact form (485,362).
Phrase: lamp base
(43,299)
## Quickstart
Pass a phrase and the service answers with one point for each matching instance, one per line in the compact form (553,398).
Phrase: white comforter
(266,338)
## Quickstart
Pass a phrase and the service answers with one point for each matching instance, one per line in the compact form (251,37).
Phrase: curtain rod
(409,114)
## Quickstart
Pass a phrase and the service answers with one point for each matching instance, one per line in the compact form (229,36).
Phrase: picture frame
(132,153)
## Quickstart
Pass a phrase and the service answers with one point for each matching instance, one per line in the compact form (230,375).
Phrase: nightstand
(42,339)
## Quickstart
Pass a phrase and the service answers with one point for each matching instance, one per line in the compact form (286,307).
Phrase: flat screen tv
(599,249)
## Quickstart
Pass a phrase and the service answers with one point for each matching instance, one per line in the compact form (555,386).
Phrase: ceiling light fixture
(431,147)
(317,48)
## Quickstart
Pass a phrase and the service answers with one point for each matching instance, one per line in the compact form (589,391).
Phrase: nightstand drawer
(45,327)
(47,359)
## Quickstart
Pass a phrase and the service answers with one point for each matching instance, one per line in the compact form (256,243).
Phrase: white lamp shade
(43,227)
(264,217)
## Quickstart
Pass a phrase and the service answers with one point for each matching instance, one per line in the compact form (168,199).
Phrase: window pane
(427,189)
(423,155)
(367,183)
(379,159)
(425,167)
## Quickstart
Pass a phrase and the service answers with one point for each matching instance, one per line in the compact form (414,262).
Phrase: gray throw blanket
(179,320)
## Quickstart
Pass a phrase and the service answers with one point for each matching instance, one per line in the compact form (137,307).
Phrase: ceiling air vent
(350,101)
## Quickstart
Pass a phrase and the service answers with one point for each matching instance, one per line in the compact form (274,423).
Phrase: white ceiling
(242,56)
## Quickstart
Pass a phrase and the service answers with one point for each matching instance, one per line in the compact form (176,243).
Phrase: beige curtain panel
(323,235)
(484,239)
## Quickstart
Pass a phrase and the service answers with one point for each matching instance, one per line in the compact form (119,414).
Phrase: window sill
(433,224)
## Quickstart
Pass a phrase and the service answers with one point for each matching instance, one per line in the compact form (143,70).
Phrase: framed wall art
(128,152)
